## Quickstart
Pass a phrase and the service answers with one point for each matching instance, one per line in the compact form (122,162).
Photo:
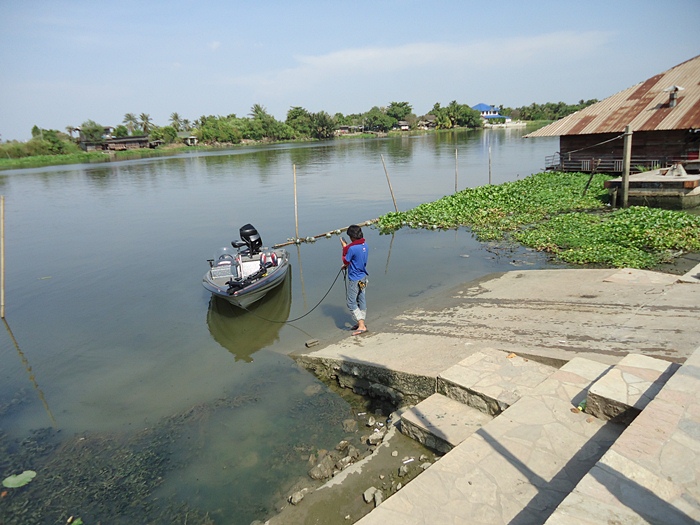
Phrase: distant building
(490,113)
(427,122)
(663,113)
(187,138)
(403,125)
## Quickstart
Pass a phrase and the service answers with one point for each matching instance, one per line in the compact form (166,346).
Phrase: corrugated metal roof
(645,107)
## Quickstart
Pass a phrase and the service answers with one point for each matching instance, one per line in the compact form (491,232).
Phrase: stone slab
(628,387)
(491,381)
(561,314)
(651,474)
(515,469)
(441,423)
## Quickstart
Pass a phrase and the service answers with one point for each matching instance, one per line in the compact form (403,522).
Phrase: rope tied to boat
(307,313)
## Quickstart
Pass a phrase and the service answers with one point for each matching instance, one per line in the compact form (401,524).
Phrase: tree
(323,126)
(300,121)
(377,120)
(131,122)
(121,131)
(176,121)
(167,134)
(399,110)
(91,131)
(145,122)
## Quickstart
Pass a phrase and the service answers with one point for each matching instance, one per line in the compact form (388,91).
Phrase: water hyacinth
(553,212)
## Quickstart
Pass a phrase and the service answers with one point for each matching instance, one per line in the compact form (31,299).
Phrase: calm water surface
(115,336)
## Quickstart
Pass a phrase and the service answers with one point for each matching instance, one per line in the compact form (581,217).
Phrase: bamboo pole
(391,190)
(320,235)
(2,256)
(32,377)
(455,170)
(296,209)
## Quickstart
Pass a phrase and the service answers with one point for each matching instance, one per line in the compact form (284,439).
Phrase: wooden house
(663,113)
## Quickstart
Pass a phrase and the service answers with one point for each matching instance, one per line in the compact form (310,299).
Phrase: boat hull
(243,298)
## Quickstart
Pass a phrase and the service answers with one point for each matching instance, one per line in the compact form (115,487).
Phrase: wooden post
(626,159)
(2,256)
(455,170)
(390,188)
(296,211)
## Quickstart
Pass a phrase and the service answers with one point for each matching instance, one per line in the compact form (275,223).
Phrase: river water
(114,338)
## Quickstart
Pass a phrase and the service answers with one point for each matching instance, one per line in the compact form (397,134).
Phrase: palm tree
(258,112)
(146,122)
(176,121)
(186,124)
(131,122)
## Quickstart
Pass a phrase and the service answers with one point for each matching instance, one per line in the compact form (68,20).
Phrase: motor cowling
(251,238)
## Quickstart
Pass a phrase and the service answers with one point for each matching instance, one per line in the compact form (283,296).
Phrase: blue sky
(64,62)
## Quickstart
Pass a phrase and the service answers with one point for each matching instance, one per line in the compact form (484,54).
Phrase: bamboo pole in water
(313,238)
(489,164)
(391,190)
(2,256)
(296,209)
(455,170)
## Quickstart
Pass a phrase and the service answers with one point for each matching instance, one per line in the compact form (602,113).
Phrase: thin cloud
(421,57)
(214,45)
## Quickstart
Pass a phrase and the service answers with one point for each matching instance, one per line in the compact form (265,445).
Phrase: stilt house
(663,113)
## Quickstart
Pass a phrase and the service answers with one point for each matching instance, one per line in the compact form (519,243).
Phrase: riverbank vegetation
(48,147)
(566,215)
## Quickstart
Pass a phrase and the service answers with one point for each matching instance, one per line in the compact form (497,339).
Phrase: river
(111,340)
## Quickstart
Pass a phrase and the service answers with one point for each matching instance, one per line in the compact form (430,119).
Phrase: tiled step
(651,473)
(491,381)
(628,387)
(441,423)
(518,467)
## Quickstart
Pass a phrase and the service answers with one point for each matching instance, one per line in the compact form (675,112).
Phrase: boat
(247,273)
(243,332)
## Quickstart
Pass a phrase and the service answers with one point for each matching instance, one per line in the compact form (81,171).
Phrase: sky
(64,62)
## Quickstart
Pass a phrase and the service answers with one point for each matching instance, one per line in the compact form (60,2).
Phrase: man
(355,260)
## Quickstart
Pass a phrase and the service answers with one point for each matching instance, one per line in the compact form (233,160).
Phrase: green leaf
(20,480)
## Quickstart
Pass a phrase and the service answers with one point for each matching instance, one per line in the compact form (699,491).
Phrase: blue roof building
(490,112)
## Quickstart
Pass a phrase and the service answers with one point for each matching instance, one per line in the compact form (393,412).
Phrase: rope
(302,316)
(593,145)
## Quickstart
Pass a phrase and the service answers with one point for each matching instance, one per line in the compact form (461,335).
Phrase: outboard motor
(251,238)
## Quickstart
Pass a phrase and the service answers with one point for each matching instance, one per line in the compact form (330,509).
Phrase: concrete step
(491,380)
(623,392)
(518,467)
(651,472)
(441,423)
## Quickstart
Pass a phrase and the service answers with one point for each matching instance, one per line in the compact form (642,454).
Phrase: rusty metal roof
(645,107)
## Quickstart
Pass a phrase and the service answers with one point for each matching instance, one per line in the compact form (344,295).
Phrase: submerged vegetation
(564,214)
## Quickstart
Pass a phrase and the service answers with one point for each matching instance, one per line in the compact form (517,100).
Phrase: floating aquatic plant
(564,214)
(19,480)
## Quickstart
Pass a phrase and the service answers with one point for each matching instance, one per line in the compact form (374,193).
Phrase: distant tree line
(259,125)
(548,111)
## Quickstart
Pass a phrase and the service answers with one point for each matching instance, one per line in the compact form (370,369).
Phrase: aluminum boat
(244,274)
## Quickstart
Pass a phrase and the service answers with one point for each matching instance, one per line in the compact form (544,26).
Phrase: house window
(585,165)
(618,166)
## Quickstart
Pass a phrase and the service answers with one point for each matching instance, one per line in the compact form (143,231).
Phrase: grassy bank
(563,215)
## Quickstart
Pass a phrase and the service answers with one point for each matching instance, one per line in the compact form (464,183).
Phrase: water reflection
(244,332)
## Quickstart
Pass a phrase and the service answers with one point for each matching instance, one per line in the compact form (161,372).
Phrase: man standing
(355,260)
